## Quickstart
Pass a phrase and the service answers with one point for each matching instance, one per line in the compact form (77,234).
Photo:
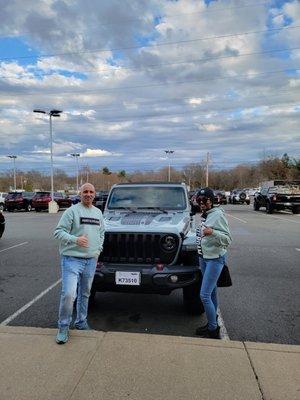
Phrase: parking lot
(262,305)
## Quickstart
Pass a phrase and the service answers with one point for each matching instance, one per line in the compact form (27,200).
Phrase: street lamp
(51,113)
(168,153)
(13,157)
(76,155)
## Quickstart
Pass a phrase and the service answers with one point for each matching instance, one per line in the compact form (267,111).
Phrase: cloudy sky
(137,77)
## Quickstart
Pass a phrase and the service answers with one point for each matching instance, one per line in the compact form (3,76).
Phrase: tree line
(194,175)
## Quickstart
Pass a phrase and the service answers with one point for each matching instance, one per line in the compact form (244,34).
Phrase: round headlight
(168,242)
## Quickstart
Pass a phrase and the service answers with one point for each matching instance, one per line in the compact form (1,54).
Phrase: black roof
(150,183)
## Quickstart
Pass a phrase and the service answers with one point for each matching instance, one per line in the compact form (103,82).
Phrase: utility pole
(13,157)
(207,163)
(168,153)
(76,155)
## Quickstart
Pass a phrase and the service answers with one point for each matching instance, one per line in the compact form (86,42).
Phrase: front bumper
(152,280)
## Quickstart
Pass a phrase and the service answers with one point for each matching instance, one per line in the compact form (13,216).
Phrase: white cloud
(209,127)
(98,153)
(120,100)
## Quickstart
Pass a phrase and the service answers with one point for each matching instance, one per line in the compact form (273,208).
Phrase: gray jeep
(150,244)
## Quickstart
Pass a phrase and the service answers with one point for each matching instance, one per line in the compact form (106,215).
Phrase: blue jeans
(77,278)
(211,269)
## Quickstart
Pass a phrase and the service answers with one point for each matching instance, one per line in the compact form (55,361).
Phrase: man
(80,232)
(213,238)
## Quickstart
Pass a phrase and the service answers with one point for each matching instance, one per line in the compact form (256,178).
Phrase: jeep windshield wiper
(133,210)
(155,208)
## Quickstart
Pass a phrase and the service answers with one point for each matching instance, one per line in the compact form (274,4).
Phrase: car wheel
(28,207)
(296,210)
(191,294)
(1,207)
(191,299)
(269,208)
(255,206)
(92,298)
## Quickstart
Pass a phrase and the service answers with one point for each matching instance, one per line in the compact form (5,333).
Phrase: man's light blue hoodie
(79,220)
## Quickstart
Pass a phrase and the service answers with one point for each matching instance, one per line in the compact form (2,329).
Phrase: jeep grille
(139,248)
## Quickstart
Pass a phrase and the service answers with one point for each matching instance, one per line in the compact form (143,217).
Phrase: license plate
(128,278)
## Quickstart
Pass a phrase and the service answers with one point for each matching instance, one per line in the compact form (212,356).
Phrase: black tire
(296,210)
(269,208)
(92,298)
(255,206)
(191,299)
(191,294)
(2,207)
(248,202)
(28,207)
(243,196)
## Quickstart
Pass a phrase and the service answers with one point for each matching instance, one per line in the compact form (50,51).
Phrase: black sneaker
(201,329)
(206,333)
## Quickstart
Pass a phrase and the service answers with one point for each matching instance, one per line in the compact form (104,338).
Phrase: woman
(213,238)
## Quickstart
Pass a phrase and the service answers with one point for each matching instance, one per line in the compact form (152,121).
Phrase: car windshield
(43,194)
(13,196)
(150,197)
(285,189)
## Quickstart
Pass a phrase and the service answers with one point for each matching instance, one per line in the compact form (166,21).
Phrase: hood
(142,221)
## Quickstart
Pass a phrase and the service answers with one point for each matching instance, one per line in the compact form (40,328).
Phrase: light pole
(168,153)
(51,113)
(13,157)
(76,155)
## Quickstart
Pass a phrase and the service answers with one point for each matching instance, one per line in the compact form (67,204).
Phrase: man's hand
(82,241)
(207,231)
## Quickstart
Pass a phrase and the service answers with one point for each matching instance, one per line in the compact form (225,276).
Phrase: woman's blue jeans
(77,278)
(211,269)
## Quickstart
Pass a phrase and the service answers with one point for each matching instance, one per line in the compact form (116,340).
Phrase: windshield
(285,189)
(13,195)
(148,197)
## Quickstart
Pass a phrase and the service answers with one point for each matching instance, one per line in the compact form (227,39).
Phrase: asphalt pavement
(262,305)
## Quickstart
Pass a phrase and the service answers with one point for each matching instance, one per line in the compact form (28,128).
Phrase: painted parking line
(239,219)
(22,309)
(223,331)
(12,247)
(286,219)
(280,218)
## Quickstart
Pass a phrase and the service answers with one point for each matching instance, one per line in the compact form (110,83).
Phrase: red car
(41,199)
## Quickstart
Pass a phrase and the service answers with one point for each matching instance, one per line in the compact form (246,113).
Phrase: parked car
(2,200)
(278,195)
(220,197)
(100,200)
(2,224)
(75,198)
(41,200)
(19,201)
(239,196)
(150,243)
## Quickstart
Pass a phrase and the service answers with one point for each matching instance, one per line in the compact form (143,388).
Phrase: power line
(168,83)
(208,11)
(32,75)
(151,45)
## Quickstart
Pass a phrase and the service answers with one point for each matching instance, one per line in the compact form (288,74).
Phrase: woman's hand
(207,231)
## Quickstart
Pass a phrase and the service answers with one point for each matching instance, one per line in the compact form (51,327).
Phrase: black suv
(278,195)
(19,201)
(100,200)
